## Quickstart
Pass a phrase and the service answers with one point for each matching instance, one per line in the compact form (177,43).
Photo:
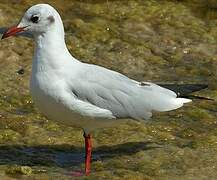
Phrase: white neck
(51,41)
(50,49)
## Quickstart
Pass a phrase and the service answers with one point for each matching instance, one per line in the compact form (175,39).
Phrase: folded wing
(124,97)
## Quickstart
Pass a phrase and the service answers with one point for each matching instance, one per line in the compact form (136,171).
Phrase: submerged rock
(212,4)
(23,170)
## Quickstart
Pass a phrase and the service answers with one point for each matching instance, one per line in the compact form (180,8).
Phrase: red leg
(88,151)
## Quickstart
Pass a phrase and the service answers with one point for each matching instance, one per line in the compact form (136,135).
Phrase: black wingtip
(184,89)
(197,97)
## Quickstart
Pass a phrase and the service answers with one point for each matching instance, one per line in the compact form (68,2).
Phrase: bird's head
(37,20)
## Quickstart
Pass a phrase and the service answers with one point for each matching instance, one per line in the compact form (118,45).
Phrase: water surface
(159,41)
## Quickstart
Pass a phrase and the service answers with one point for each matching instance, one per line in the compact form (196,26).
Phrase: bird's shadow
(66,156)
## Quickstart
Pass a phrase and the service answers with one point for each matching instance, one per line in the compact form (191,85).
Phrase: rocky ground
(159,41)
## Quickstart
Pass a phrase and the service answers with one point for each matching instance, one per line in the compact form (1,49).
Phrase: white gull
(79,94)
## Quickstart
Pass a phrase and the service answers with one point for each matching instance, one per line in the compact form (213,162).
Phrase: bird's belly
(55,110)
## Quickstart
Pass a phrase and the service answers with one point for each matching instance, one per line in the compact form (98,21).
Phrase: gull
(80,94)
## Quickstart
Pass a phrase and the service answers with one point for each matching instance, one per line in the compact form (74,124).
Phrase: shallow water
(159,41)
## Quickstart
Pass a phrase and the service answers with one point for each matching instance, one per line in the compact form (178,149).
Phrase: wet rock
(212,3)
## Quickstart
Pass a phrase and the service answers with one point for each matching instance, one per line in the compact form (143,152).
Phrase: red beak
(13,31)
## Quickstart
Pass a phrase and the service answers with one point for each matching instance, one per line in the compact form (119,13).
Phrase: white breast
(46,93)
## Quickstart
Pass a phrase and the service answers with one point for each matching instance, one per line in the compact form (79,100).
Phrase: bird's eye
(34,18)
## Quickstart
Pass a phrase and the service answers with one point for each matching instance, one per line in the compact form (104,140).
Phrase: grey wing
(124,97)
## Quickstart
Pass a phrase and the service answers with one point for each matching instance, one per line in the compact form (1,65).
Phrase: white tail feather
(183,100)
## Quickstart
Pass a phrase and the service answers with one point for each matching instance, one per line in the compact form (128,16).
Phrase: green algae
(170,41)
(25,170)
